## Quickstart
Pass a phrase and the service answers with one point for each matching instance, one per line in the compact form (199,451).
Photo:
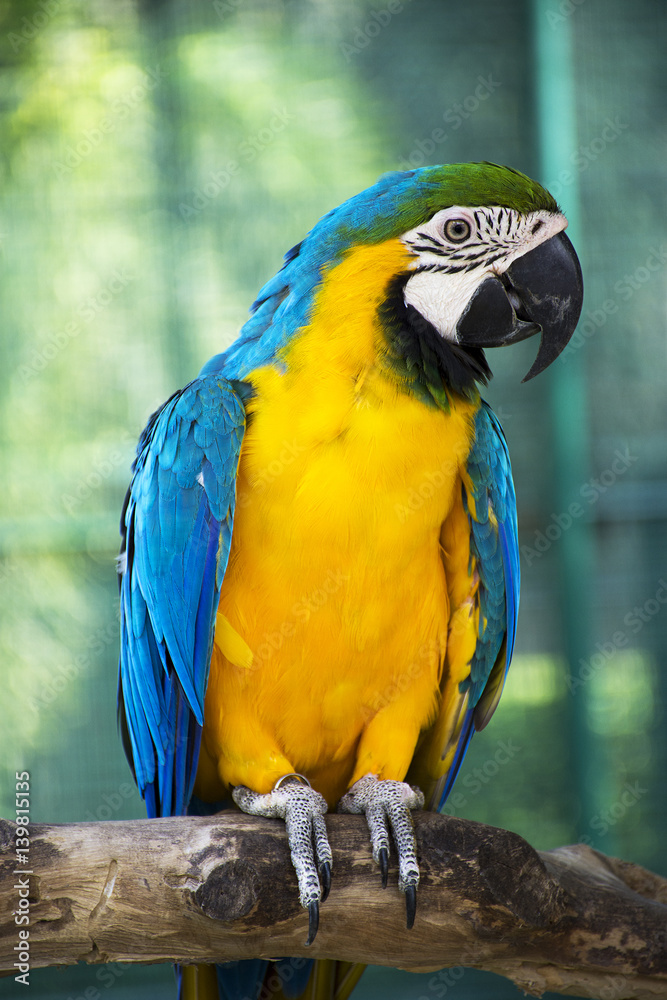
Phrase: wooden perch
(202,889)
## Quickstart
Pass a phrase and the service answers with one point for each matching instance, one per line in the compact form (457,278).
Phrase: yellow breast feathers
(335,608)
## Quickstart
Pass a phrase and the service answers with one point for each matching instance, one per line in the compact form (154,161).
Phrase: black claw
(411,905)
(314,921)
(325,878)
(383,858)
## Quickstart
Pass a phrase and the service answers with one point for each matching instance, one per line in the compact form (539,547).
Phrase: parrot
(319,569)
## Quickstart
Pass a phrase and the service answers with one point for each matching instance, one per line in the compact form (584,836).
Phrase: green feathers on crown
(400,201)
(471,184)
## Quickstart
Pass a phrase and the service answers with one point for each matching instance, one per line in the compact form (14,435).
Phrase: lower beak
(541,292)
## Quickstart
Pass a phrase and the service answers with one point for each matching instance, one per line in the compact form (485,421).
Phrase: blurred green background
(156,160)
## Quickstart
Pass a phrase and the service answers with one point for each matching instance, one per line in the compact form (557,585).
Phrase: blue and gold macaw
(320,572)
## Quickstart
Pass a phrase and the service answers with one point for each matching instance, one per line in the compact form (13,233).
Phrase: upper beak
(542,291)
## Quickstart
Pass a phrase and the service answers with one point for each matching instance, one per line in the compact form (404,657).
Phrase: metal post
(555,105)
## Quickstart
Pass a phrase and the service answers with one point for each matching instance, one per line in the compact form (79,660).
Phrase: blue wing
(491,506)
(177,529)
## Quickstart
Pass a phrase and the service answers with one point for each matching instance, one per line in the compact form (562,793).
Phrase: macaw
(319,576)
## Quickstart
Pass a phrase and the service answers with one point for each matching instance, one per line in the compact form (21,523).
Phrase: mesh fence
(156,161)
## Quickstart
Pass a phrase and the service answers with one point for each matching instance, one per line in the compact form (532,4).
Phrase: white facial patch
(440,299)
(457,249)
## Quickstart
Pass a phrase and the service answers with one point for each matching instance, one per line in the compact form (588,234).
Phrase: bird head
(483,262)
(489,263)
(495,266)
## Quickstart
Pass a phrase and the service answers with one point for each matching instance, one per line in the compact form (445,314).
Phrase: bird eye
(457,230)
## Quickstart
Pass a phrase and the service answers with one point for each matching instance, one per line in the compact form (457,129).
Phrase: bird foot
(380,800)
(302,808)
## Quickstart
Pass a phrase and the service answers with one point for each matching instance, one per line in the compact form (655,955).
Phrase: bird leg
(380,800)
(302,808)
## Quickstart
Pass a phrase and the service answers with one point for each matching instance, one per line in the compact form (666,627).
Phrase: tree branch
(220,888)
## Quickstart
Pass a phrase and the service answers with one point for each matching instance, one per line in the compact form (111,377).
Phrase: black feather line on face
(426,360)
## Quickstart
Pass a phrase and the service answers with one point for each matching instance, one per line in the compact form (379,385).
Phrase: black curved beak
(541,292)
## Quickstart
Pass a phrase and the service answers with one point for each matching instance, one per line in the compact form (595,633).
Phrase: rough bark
(201,889)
